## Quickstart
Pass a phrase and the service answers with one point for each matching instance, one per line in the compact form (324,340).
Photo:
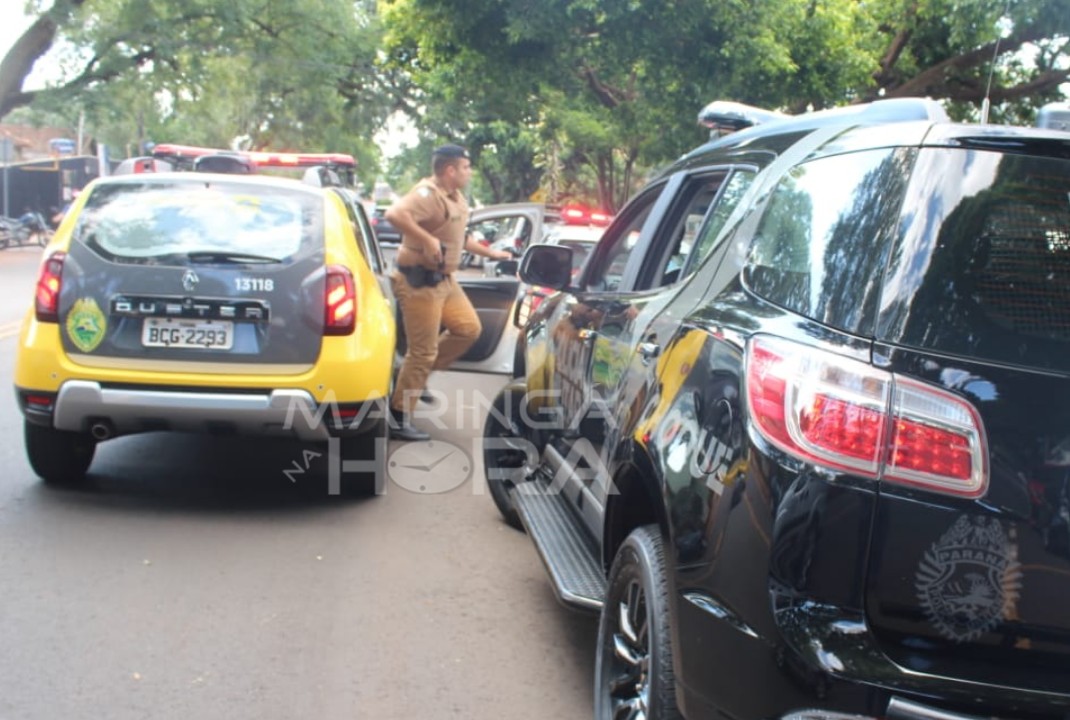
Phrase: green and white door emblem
(86,325)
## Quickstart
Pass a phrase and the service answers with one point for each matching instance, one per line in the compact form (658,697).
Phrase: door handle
(649,351)
(587,335)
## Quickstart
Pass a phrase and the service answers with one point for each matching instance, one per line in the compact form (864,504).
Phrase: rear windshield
(983,265)
(159,222)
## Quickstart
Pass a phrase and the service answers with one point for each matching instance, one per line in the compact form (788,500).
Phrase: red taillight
(39,402)
(937,441)
(842,427)
(340,298)
(844,414)
(49,282)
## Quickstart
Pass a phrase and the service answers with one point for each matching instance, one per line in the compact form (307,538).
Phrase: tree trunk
(19,61)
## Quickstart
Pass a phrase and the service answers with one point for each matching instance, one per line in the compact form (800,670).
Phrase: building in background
(41,169)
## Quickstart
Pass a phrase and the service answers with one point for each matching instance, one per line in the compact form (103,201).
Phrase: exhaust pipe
(101,430)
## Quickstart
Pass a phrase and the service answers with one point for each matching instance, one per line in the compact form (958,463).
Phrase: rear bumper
(822,663)
(105,411)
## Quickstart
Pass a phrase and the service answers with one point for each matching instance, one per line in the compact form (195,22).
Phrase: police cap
(451,151)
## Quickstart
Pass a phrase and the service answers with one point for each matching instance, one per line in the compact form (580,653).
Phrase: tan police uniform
(440,322)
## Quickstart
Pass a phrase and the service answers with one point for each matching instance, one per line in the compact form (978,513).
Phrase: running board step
(569,554)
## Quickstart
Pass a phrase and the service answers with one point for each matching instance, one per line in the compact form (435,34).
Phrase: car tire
(370,446)
(633,666)
(505,467)
(58,457)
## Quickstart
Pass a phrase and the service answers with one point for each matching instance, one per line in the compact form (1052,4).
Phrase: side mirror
(506,268)
(547,265)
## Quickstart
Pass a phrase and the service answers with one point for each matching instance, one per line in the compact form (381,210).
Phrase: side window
(731,194)
(696,197)
(607,266)
(704,204)
(823,238)
(367,238)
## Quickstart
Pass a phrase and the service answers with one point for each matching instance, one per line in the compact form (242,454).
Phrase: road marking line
(10,329)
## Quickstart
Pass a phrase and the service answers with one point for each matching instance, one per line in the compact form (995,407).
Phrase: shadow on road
(210,473)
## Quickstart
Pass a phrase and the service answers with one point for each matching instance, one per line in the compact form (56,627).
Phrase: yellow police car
(205,302)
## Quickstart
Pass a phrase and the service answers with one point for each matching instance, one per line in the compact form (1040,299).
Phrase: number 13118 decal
(253,284)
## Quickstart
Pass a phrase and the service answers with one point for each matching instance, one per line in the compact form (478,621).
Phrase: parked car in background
(384,229)
(580,239)
(514,227)
(388,236)
(799,429)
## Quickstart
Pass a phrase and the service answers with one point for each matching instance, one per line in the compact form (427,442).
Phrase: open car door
(494,300)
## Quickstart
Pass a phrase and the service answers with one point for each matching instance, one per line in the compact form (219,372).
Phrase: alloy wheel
(629,685)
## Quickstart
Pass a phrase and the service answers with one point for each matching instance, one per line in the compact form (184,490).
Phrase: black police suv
(800,430)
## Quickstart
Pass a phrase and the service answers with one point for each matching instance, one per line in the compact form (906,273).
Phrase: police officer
(432,218)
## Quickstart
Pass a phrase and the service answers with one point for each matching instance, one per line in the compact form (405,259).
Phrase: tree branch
(609,96)
(935,80)
(91,73)
(19,61)
(896,47)
(27,50)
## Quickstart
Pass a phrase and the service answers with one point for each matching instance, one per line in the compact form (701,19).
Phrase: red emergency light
(581,215)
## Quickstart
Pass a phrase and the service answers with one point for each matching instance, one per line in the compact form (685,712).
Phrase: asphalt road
(199,579)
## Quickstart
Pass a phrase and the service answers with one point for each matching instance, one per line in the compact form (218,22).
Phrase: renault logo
(189,281)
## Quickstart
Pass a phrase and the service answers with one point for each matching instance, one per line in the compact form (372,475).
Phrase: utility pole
(6,153)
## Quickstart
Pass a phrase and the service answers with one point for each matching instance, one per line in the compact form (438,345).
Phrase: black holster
(419,277)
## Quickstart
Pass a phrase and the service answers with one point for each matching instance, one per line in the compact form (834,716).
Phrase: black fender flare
(634,476)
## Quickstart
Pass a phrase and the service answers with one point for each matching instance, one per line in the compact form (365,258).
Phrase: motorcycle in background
(29,228)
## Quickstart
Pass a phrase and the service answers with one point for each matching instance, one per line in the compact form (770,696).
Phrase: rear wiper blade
(236,258)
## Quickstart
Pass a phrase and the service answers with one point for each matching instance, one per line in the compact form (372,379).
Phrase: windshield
(153,221)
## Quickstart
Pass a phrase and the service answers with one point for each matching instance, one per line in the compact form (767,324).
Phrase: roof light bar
(727,116)
(166,151)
